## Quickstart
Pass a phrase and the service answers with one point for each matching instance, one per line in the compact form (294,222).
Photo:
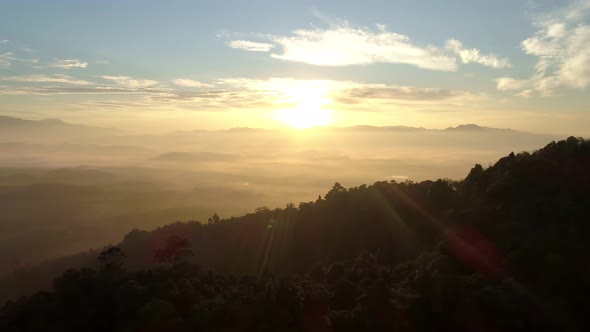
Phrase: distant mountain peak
(470,127)
(54,121)
(466,127)
(48,130)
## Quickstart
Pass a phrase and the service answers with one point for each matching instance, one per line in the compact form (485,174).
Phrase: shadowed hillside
(67,188)
(505,249)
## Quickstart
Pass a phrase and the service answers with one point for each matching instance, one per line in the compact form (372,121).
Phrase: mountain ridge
(467,127)
(50,130)
(10,120)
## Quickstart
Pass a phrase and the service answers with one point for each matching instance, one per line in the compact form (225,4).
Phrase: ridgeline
(505,249)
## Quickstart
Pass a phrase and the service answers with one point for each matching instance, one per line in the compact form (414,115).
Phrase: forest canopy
(505,249)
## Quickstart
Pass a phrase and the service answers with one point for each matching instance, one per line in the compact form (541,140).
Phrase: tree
(175,250)
(262,209)
(111,259)
(214,218)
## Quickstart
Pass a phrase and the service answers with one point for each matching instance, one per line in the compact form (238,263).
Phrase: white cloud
(190,83)
(343,45)
(510,84)
(474,55)
(48,79)
(340,44)
(574,70)
(3,41)
(69,64)
(562,47)
(6,60)
(130,82)
(248,45)
(28,60)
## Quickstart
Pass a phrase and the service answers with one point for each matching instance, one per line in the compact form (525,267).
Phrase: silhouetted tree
(214,218)
(175,250)
(503,250)
(111,259)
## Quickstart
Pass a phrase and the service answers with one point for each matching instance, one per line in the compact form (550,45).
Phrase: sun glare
(304,116)
(309,111)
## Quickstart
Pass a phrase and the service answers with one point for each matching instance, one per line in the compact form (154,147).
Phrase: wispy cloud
(252,46)
(130,82)
(243,93)
(511,84)
(474,55)
(395,92)
(184,82)
(27,60)
(57,78)
(69,90)
(562,47)
(6,59)
(3,41)
(69,64)
(236,94)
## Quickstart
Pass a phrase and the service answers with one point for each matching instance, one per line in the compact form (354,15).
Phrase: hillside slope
(503,250)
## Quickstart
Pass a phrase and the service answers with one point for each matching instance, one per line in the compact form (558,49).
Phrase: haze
(122,115)
(159,67)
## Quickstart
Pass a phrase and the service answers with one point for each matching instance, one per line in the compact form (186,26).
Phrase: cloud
(102,62)
(27,60)
(66,90)
(344,95)
(69,64)
(238,94)
(510,84)
(281,87)
(248,45)
(184,82)
(57,78)
(130,82)
(6,59)
(3,41)
(383,91)
(561,45)
(343,45)
(474,55)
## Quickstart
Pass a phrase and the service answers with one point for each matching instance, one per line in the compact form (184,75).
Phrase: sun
(305,116)
(308,110)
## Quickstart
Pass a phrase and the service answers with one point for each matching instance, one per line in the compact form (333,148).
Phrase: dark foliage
(506,249)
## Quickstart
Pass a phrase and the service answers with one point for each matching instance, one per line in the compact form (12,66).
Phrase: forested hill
(505,249)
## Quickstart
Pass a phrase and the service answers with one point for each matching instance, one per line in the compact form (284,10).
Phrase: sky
(158,66)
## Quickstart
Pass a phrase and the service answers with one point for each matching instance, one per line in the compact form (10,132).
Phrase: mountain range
(48,130)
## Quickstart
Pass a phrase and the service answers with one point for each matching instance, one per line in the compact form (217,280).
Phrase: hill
(48,130)
(505,249)
(201,157)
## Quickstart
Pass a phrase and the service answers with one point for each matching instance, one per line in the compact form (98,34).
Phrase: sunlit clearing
(308,111)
